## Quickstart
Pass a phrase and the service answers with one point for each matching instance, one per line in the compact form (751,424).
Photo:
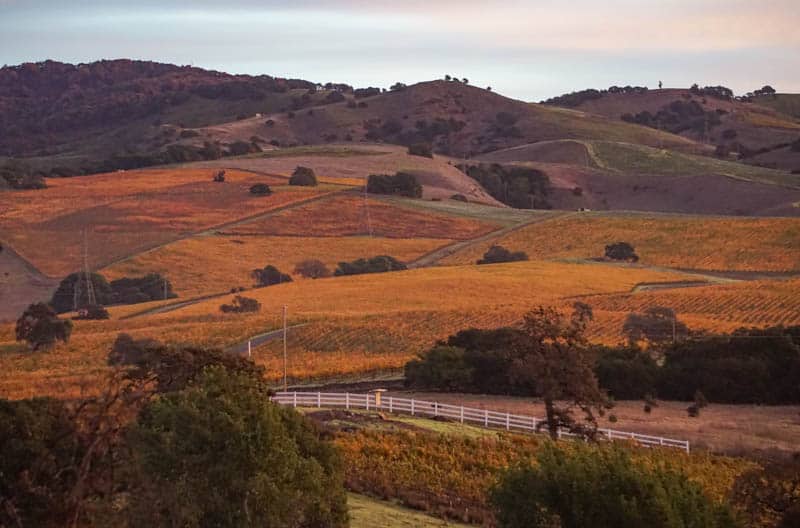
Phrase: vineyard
(352,215)
(450,475)
(123,214)
(715,244)
(214,263)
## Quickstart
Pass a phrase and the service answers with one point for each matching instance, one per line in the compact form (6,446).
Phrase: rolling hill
(758,131)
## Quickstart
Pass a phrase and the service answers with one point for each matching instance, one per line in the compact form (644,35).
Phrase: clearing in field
(127,212)
(347,215)
(212,264)
(688,242)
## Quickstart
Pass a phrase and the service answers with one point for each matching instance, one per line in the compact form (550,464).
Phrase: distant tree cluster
(269,276)
(40,327)
(679,116)
(18,175)
(497,254)
(621,251)
(718,92)
(312,269)
(379,264)
(127,290)
(260,189)
(520,187)
(241,304)
(574,99)
(424,150)
(361,93)
(304,177)
(400,184)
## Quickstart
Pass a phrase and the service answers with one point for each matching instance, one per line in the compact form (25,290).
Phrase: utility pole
(285,385)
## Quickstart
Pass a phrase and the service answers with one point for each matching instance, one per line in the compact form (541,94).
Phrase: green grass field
(366,512)
(625,157)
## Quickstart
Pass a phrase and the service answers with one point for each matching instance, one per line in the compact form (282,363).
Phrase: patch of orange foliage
(346,215)
(126,212)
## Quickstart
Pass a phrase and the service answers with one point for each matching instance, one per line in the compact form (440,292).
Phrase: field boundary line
(465,415)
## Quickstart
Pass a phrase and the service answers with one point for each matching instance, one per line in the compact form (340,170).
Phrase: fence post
(608,433)
(412,406)
(508,422)
(366,399)
(462,414)
(319,400)
(294,399)
(436,408)
(347,400)
(533,424)
(486,418)
(559,433)
(390,404)
(661,441)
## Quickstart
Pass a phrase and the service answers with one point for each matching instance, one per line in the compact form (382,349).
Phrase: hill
(757,131)
(606,175)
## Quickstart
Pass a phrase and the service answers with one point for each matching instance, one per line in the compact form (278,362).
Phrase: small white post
(436,408)
(559,433)
(508,421)
(366,399)
(294,398)
(249,349)
(319,400)
(390,404)
(533,424)
(462,414)
(485,418)
(347,400)
(412,406)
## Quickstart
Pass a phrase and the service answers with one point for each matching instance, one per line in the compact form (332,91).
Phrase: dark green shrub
(41,328)
(601,487)
(64,298)
(219,453)
(379,264)
(241,305)
(421,149)
(520,187)
(260,189)
(132,290)
(626,373)
(621,251)
(497,254)
(269,276)
(442,367)
(94,312)
(312,269)
(303,176)
(400,184)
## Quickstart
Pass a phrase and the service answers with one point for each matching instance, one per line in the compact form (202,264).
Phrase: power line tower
(83,284)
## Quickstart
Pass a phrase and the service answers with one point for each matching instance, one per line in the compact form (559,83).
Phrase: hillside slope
(756,132)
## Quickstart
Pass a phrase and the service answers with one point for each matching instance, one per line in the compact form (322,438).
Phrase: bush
(519,187)
(41,328)
(621,251)
(260,189)
(241,305)
(303,176)
(459,198)
(269,276)
(497,254)
(401,184)
(443,367)
(312,269)
(626,373)
(379,264)
(132,290)
(424,150)
(604,488)
(219,453)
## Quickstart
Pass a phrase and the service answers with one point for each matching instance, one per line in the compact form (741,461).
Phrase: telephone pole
(285,385)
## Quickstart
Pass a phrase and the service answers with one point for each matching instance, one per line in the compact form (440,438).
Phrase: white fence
(459,413)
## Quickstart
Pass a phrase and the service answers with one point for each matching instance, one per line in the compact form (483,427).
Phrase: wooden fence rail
(481,417)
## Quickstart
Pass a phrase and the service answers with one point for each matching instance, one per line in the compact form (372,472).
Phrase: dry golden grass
(124,213)
(720,428)
(740,244)
(215,264)
(350,215)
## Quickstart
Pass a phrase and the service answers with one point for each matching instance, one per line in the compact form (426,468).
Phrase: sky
(527,49)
